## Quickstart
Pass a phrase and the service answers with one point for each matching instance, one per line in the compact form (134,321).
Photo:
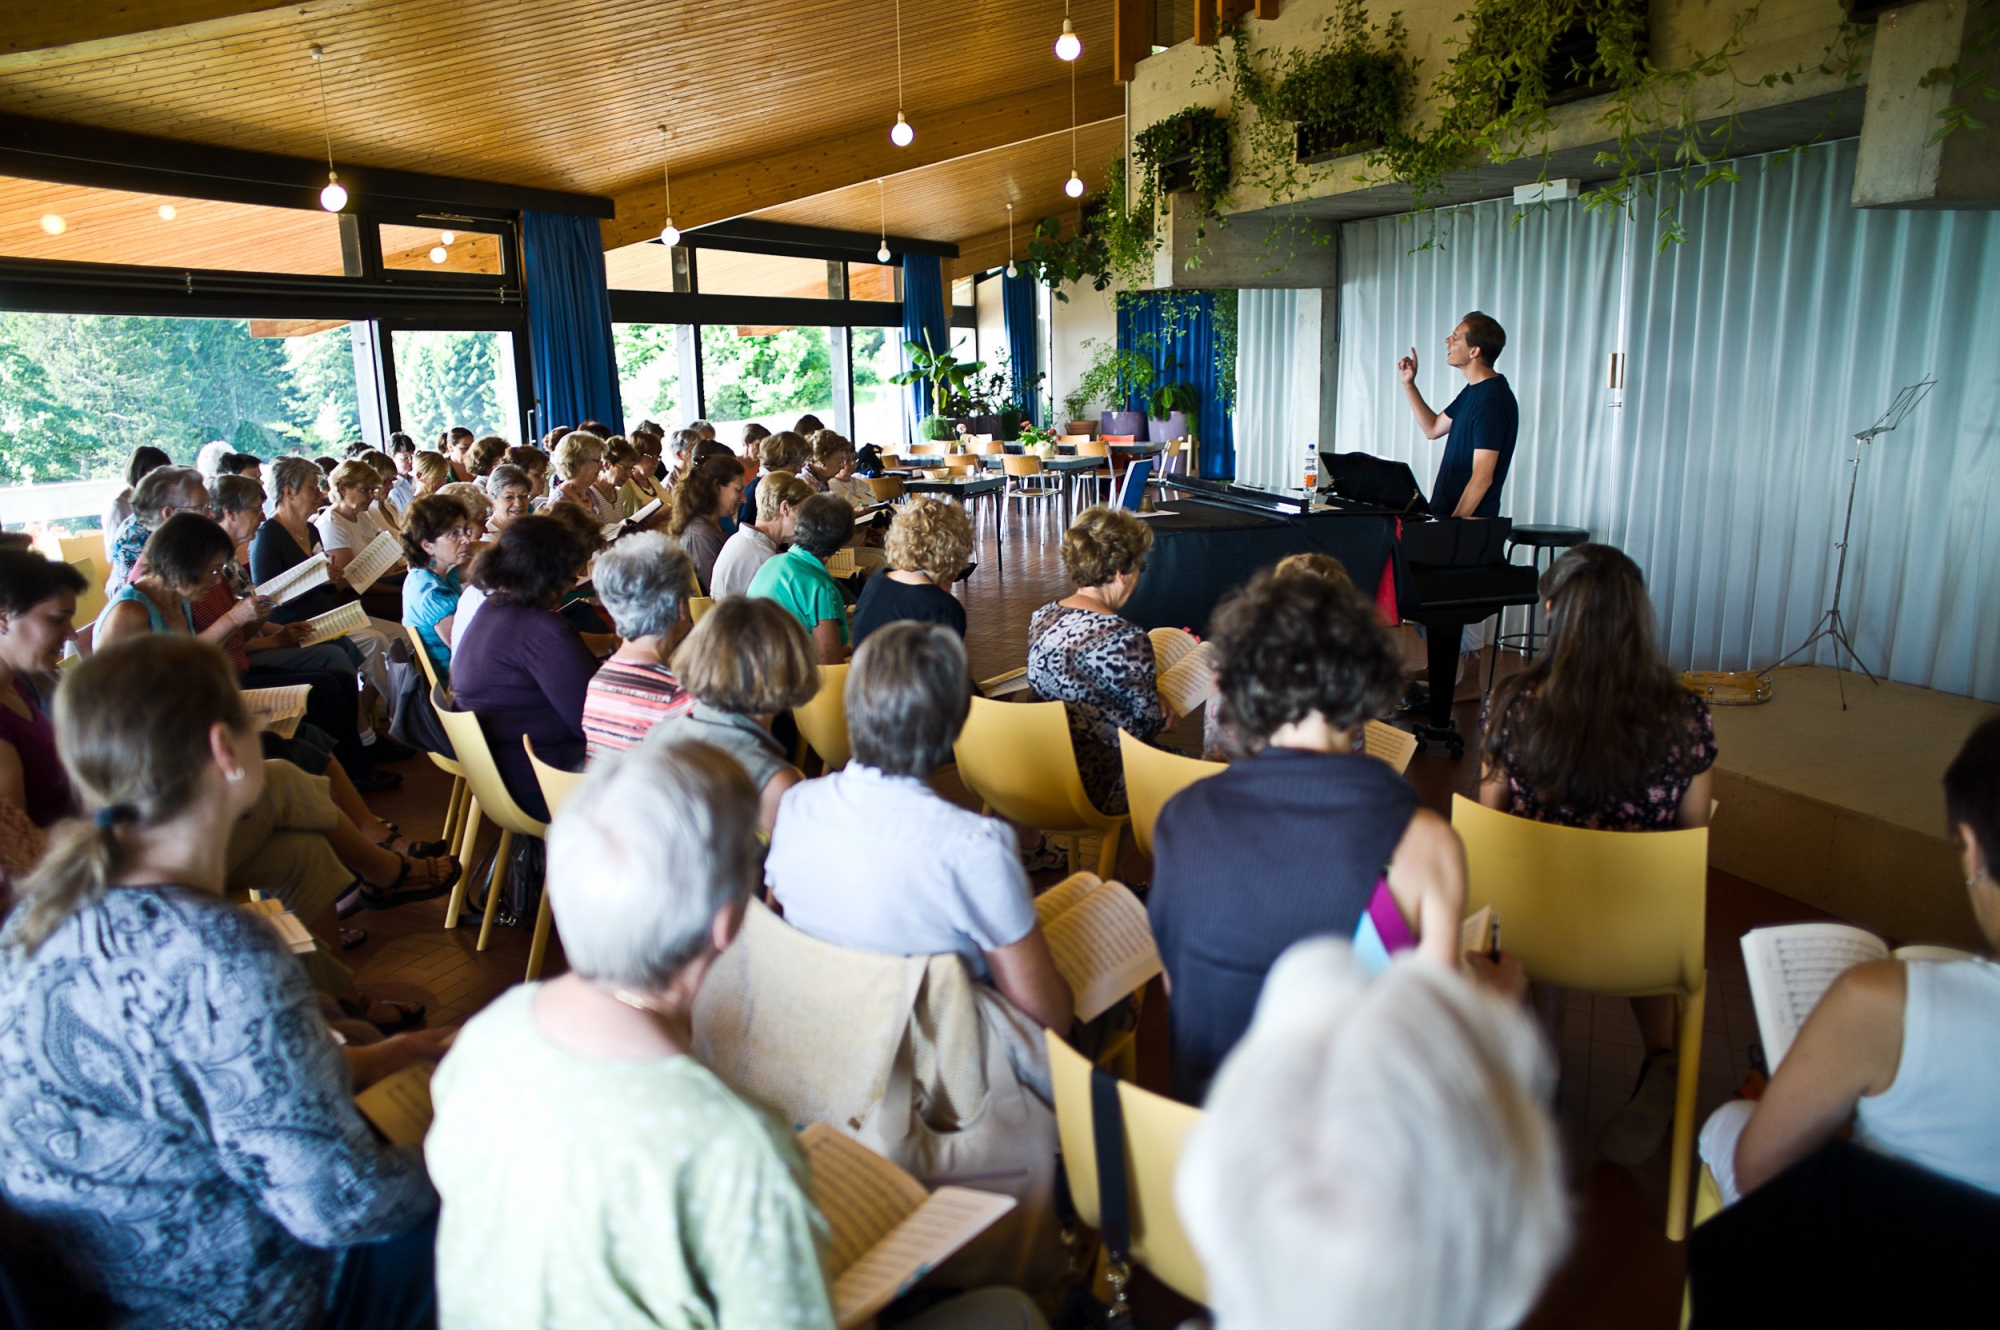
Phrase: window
(39,220)
(649,377)
(445,379)
(871,281)
(769,375)
(724,272)
(878,404)
(440,249)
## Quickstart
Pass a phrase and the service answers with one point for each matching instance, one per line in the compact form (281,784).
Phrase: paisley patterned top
(1101,667)
(174,1114)
(1656,807)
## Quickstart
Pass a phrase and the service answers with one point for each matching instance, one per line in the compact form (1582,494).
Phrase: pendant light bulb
(439,253)
(447,237)
(1068,46)
(334,197)
(901,134)
(883,253)
(167,213)
(1073,186)
(1012,271)
(670,235)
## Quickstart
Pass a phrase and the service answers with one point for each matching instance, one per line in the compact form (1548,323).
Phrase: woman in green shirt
(799,581)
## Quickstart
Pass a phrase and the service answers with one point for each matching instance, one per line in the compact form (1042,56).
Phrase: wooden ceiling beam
(57,25)
(730,189)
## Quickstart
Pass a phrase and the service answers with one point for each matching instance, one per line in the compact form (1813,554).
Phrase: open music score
(1100,938)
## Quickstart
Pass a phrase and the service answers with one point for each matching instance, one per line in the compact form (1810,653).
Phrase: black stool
(1536,538)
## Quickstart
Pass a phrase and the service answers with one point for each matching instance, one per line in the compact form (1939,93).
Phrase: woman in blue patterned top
(175,1119)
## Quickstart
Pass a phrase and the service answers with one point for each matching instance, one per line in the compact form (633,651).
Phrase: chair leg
(539,948)
(453,811)
(468,830)
(499,880)
(1107,850)
(1690,1080)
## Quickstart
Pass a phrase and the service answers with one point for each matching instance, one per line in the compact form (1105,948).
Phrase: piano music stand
(1830,624)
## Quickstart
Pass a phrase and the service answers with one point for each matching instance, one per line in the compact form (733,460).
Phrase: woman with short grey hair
(1376,1153)
(160,494)
(642,582)
(949,880)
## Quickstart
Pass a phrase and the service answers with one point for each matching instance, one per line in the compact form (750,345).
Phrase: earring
(233,776)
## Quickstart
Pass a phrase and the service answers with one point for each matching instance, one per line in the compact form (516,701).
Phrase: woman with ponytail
(179,1122)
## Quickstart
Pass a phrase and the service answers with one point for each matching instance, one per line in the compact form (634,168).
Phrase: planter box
(1174,426)
(1568,75)
(1122,423)
(1081,427)
(1325,143)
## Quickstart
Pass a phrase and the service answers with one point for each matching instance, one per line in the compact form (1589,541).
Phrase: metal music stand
(1831,624)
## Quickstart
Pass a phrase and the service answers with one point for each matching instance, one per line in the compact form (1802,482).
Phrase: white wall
(1087,315)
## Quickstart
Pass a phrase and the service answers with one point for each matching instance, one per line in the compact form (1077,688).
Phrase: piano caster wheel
(1453,741)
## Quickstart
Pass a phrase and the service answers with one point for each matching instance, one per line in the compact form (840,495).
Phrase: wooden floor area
(1622,1273)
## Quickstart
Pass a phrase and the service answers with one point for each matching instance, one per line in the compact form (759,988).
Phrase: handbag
(412,718)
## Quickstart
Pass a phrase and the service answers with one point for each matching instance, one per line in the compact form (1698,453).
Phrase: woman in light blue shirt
(437,541)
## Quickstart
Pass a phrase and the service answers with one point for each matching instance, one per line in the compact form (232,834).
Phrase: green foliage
(41,436)
(1037,436)
(1116,374)
(1083,256)
(1197,137)
(324,399)
(786,371)
(449,378)
(649,380)
(944,375)
(1971,80)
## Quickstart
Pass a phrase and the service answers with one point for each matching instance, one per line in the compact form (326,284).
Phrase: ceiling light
(883,253)
(1073,186)
(166,212)
(882,217)
(439,253)
(334,197)
(901,134)
(447,237)
(1068,46)
(1011,270)
(54,224)
(670,235)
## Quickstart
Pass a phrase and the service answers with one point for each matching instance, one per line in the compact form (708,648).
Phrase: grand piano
(1443,573)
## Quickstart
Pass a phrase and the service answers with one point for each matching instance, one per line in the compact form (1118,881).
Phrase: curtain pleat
(923,319)
(1267,346)
(1017,309)
(1184,350)
(569,322)
(1785,324)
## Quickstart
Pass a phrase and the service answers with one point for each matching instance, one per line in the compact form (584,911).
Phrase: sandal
(1046,858)
(408,1015)
(349,903)
(350,938)
(415,849)
(389,897)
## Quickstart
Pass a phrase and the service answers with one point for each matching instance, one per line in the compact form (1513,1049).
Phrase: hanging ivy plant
(1055,261)
(1187,150)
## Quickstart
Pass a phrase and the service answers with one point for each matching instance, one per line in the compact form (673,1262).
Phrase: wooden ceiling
(770,102)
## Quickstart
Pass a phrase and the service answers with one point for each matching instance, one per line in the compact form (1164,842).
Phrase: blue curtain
(1017,307)
(569,322)
(923,312)
(1181,329)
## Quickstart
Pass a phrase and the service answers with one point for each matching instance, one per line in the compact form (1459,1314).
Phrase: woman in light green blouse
(626,1185)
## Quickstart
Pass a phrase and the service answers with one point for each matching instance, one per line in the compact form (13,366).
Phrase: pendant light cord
(881,211)
(325,117)
(899,57)
(1072,113)
(666,172)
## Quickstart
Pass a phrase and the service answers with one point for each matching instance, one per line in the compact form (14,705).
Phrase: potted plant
(1187,150)
(1175,410)
(1345,96)
(1116,376)
(1039,440)
(946,376)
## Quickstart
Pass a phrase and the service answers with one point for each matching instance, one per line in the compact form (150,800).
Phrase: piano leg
(1442,639)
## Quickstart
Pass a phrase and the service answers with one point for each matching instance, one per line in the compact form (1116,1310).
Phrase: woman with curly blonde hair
(929,544)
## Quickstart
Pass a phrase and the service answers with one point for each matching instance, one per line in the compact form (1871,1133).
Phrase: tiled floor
(1623,1272)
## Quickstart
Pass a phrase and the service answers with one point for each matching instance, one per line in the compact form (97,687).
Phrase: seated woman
(349,524)
(798,579)
(1597,732)
(534,463)
(512,492)
(37,611)
(433,472)
(213,1169)
(184,557)
(929,544)
(478,505)
(947,880)
(482,456)
(520,665)
(437,540)
(642,483)
(746,661)
(648,870)
(779,497)
(1098,665)
(643,581)
(579,460)
(1291,843)
(1907,1052)
(145,459)
(163,492)
(1313,1188)
(707,494)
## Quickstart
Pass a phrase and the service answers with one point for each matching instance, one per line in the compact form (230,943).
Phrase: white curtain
(1277,383)
(1756,350)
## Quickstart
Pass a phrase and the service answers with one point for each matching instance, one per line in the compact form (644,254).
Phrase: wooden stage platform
(1845,809)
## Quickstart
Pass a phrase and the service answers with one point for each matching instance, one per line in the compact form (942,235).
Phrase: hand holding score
(1406,368)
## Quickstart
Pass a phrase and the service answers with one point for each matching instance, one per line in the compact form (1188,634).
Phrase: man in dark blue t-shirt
(1481,421)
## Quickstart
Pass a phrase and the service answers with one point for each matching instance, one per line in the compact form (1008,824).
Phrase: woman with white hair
(642,582)
(579,460)
(160,494)
(1375,1153)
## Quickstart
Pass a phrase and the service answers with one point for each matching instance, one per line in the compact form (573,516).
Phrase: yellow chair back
(698,606)
(1392,745)
(475,759)
(1092,448)
(1153,776)
(1156,1130)
(961,464)
(887,489)
(1614,912)
(557,785)
(1016,756)
(85,553)
(822,722)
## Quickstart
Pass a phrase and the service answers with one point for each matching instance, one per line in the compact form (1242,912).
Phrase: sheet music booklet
(290,930)
(400,1103)
(639,517)
(335,623)
(296,580)
(1100,938)
(887,1231)
(278,710)
(375,559)
(1792,965)
(1184,666)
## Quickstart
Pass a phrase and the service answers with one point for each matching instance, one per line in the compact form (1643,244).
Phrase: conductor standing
(1481,421)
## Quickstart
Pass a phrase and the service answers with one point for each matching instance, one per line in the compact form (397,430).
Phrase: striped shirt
(625,700)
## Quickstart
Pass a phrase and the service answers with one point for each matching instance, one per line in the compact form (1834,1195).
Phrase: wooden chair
(962,464)
(1612,912)
(1087,428)
(461,816)
(822,722)
(1153,776)
(1156,1131)
(1099,476)
(887,489)
(1392,745)
(1017,757)
(992,446)
(482,774)
(926,450)
(1022,468)
(1121,438)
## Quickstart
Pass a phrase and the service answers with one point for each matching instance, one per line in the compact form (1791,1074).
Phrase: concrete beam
(1897,165)
(1285,250)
